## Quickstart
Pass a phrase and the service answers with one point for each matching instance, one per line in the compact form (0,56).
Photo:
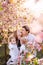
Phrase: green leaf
(36,61)
(22,64)
(1,38)
(1,8)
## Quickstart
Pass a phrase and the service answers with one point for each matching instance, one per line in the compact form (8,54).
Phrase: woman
(19,34)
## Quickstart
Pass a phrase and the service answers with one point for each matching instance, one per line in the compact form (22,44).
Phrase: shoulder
(31,35)
(10,45)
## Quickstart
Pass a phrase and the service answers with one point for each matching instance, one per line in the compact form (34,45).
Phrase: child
(13,50)
(18,38)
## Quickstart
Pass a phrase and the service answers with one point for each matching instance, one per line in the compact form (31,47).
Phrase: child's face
(13,40)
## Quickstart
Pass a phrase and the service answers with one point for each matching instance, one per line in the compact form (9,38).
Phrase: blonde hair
(11,37)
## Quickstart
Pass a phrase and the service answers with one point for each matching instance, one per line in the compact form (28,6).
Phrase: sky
(36,6)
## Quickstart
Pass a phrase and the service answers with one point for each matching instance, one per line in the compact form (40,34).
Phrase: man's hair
(26,28)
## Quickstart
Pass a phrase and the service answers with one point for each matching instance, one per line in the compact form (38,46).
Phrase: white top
(31,37)
(14,52)
(22,48)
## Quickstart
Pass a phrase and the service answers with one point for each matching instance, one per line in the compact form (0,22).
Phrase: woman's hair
(16,37)
(17,40)
(15,34)
(26,28)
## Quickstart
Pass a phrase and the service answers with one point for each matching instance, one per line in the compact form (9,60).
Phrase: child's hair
(12,38)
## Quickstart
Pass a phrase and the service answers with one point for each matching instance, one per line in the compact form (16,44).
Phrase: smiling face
(23,31)
(13,40)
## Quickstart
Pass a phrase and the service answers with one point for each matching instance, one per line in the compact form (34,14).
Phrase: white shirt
(14,52)
(22,48)
(31,37)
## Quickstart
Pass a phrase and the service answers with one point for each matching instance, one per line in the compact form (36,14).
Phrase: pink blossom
(37,46)
(39,37)
(27,60)
(4,4)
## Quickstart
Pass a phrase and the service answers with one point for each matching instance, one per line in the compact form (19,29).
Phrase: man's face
(23,31)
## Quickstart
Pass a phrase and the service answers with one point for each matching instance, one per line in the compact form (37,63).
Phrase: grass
(3,57)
